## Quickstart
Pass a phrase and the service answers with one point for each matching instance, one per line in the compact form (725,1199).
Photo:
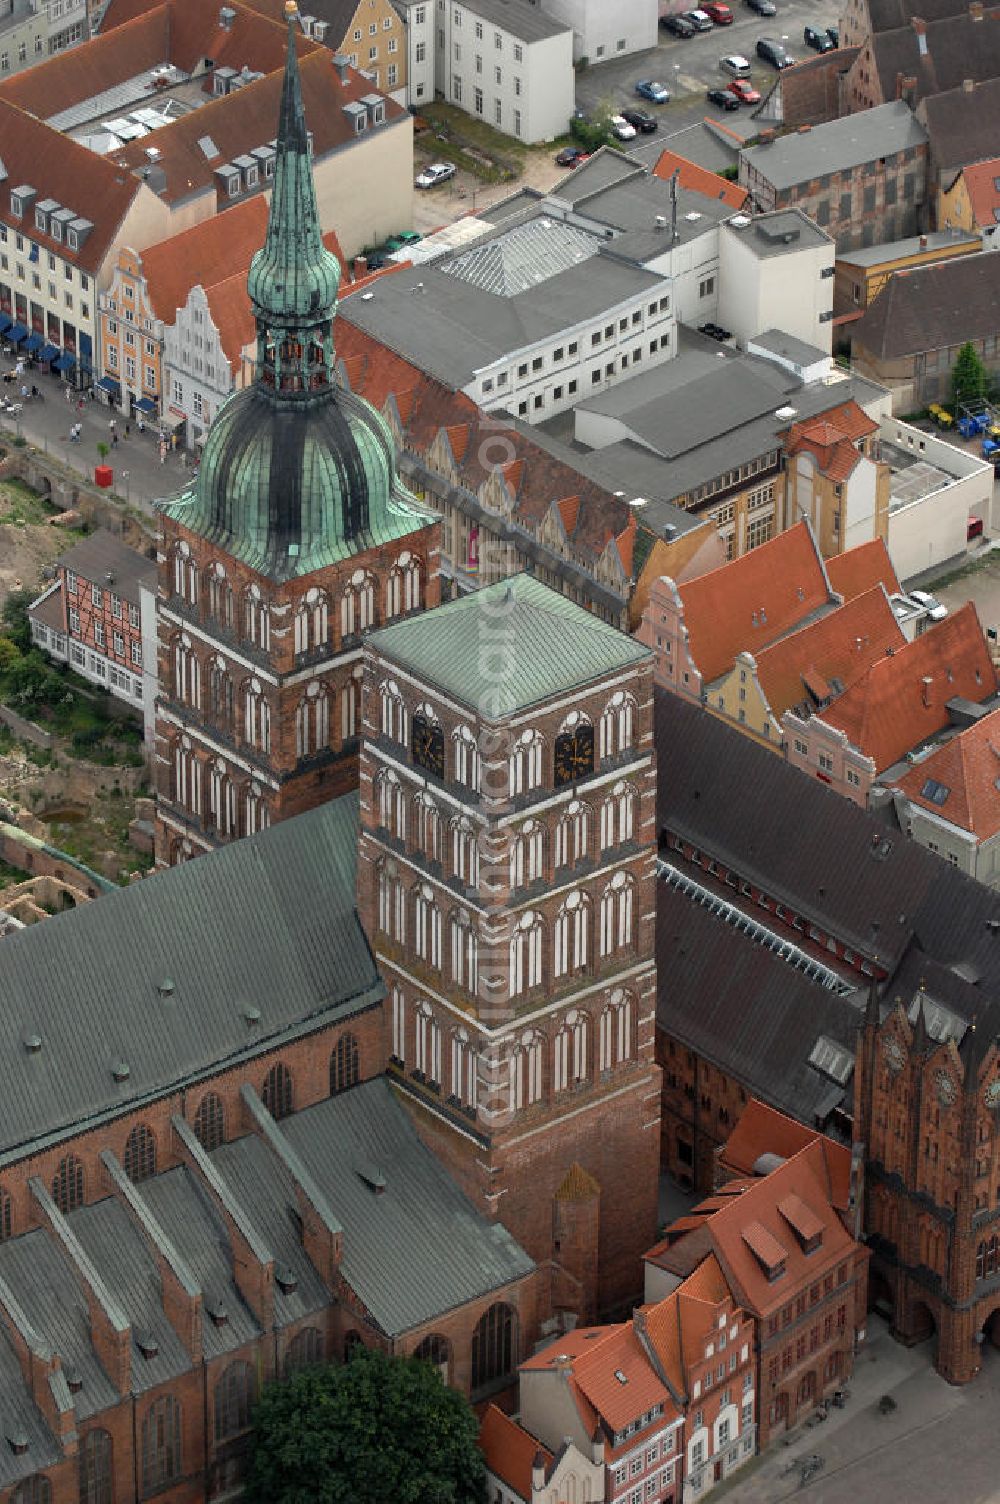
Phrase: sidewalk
(139,478)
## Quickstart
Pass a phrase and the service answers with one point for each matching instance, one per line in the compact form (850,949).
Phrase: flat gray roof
(836,146)
(790,348)
(622,194)
(520,20)
(934,240)
(778,232)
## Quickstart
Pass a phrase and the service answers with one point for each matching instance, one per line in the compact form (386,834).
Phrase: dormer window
(55,230)
(16,207)
(40,220)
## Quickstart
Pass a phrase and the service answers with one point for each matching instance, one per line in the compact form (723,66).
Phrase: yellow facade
(858,286)
(954,207)
(375,41)
(739,699)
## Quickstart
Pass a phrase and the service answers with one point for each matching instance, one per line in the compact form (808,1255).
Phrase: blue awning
(64,363)
(34,342)
(145,405)
(109,384)
(16,333)
(5,321)
(48,353)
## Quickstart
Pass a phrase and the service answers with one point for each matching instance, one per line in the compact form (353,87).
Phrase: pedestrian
(163,453)
(114,439)
(127,431)
(24,394)
(69,394)
(140,424)
(112,425)
(79,406)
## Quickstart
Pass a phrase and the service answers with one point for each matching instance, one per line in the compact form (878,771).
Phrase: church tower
(296,536)
(506,880)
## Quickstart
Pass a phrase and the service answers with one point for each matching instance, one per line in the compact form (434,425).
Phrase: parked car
(653,90)
(640,120)
(934,608)
(833,32)
(772,52)
(699,19)
(723,99)
(404,238)
(736,65)
(744,91)
(437,172)
(678,26)
(818,38)
(762,7)
(621,128)
(571,156)
(721,14)
(715,331)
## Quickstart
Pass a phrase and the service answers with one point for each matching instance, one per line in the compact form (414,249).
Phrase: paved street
(936,1447)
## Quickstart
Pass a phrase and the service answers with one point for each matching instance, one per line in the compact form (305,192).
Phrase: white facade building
(418,21)
(602,31)
(197,373)
(776,272)
(508,63)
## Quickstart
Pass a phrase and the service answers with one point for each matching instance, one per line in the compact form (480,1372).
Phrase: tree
(374,1430)
(16,625)
(969,378)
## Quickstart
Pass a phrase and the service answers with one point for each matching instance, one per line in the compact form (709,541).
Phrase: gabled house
(950,801)
(834,477)
(519,1470)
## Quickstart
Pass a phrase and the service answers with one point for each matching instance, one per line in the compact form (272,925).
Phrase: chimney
(226,17)
(538,1474)
(920,27)
(360,267)
(341,64)
(923,242)
(906,89)
(926,691)
(597,1447)
(976,10)
(968,86)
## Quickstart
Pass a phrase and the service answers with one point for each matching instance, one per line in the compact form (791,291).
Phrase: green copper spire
(293,278)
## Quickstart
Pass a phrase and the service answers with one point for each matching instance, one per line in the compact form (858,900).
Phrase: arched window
(464,952)
(357,606)
(525,764)
(210,1122)
(67,1184)
(312,621)
(220,595)
(161,1444)
(617,725)
(350,706)
(526,954)
(256,815)
(616,1032)
(390,803)
(618,816)
(570,1057)
(140,1153)
(494,1347)
(34,1490)
(222,799)
(573,835)
(277,1094)
(426,925)
(187,672)
(394,593)
(571,935)
(345,1067)
(437,1350)
(305,1349)
(220,693)
(616,914)
(427,827)
(256,716)
(391,903)
(256,619)
(185,574)
(465,851)
(187,776)
(466,754)
(312,722)
(394,719)
(399,1025)
(96,1470)
(6,1218)
(428,1043)
(527,1067)
(464,1087)
(527,854)
(235,1396)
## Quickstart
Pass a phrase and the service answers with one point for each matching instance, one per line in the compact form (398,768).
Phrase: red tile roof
(890,710)
(209,252)
(831,437)
(838,648)
(966,771)
(699,179)
(510,1450)
(981,180)
(618,1379)
(752,601)
(860,568)
(763,1130)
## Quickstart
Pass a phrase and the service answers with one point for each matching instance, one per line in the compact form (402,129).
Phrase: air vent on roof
(17,1440)
(120,1070)
(639,501)
(32,1043)
(691,216)
(373,1178)
(251,1014)
(216,1312)
(366,297)
(286,1279)
(785,412)
(152,152)
(74,1382)
(740,221)
(166,987)
(620,1376)
(147,1344)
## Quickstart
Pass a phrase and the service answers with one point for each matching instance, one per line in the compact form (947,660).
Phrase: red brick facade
(258,715)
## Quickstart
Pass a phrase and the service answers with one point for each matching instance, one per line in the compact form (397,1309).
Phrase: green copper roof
(296,473)
(505,648)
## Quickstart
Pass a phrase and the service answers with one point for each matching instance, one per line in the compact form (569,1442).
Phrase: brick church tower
(507,883)
(295,537)
(927,1116)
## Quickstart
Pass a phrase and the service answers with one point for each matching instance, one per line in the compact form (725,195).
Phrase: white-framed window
(394,717)
(464,1069)
(74,619)
(312,621)
(137,655)
(570,1063)
(525,764)
(185,575)
(526,954)
(466,754)
(99,635)
(256,716)
(257,618)
(527,854)
(618,816)
(390,803)
(399,1024)
(572,834)
(426,926)
(427,1041)
(357,606)
(571,935)
(187,777)
(527,1071)
(616,1033)
(464,952)
(465,851)
(222,799)
(427,826)
(617,725)
(187,672)
(312,722)
(118,643)
(616,914)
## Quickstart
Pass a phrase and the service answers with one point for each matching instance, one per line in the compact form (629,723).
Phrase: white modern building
(602,31)
(776,271)
(418,18)
(507,62)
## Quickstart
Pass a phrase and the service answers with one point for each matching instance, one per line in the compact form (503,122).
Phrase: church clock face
(428,745)
(574,754)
